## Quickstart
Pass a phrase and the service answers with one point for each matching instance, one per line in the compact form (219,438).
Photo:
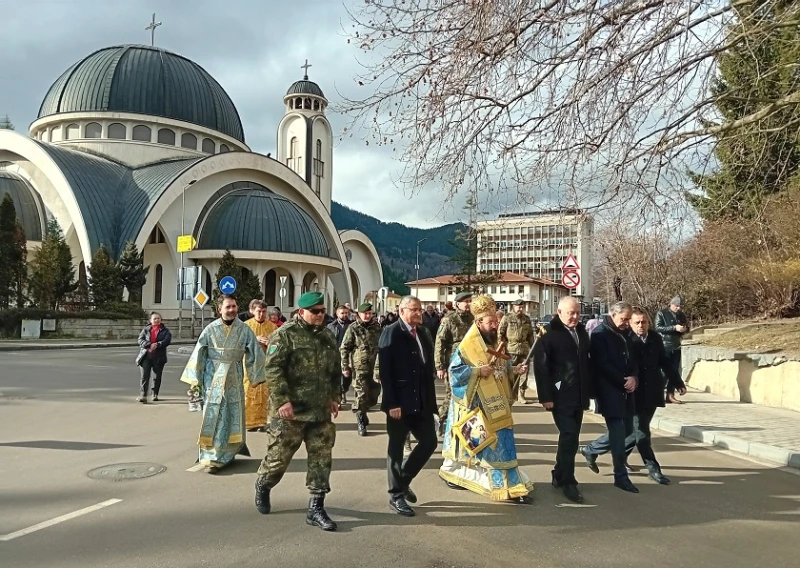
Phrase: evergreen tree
(52,272)
(104,279)
(132,272)
(248,285)
(758,160)
(227,267)
(13,256)
(5,123)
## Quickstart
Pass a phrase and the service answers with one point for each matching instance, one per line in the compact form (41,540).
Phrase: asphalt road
(63,413)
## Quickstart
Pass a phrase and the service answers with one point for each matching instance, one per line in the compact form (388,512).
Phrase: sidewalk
(761,432)
(83,343)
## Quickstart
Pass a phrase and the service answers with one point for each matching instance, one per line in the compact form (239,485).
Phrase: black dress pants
(402,472)
(157,367)
(675,362)
(568,421)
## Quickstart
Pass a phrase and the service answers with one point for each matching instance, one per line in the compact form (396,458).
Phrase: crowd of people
(291,379)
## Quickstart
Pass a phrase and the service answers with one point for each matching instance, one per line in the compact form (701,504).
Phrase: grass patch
(775,337)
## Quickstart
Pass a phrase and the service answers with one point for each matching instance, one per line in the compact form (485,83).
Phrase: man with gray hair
(615,370)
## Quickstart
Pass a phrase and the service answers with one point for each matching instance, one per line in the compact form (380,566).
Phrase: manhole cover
(124,471)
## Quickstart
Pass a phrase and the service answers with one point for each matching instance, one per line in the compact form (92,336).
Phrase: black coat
(163,339)
(557,358)
(338,328)
(431,322)
(654,365)
(408,383)
(613,359)
(666,320)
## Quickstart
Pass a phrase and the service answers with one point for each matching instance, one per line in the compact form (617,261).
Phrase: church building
(135,143)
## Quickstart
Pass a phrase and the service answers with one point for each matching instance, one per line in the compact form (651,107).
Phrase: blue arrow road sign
(227,285)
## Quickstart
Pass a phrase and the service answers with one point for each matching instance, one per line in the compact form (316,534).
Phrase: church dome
(144,80)
(305,87)
(259,220)
(25,203)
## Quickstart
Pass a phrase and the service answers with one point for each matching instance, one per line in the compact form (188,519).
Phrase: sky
(253,48)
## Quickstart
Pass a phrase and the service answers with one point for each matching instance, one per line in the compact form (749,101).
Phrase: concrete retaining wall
(108,329)
(769,380)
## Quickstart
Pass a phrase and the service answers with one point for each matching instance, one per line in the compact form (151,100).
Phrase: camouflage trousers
(444,407)
(283,440)
(367,393)
(519,384)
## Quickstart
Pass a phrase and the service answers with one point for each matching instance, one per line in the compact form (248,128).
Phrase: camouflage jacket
(359,349)
(517,331)
(452,330)
(302,367)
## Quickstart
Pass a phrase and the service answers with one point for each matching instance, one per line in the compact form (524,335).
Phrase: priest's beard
(489,337)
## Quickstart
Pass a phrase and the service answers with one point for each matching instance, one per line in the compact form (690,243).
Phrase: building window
(502,289)
(223,148)
(293,161)
(494,289)
(209,146)
(142,133)
(189,141)
(93,130)
(82,274)
(73,132)
(319,168)
(450,291)
(520,289)
(55,134)
(117,131)
(166,136)
(158,285)
(156,237)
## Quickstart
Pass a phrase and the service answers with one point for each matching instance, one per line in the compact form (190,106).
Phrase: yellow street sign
(201,298)
(186,243)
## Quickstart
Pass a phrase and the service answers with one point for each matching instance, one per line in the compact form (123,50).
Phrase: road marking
(101,366)
(57,520)
(575,506)
(196,467)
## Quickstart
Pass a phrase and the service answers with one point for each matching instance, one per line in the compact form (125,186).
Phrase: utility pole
(181,284)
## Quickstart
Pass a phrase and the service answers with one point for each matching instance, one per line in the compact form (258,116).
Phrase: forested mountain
(397,246)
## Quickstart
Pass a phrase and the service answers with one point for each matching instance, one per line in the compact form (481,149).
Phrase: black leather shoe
(626,485)
(317,516)
(262,497)
(410,496)
(454,486)
(155,397)
(659,478)
(524,500)
(401,507)
(591,460)
(360,424)
(571,492)
(366,419)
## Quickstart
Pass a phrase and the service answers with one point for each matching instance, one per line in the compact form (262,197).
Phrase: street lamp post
(417,265)
(181,284)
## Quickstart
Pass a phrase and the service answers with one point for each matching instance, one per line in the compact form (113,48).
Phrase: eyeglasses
(317,311)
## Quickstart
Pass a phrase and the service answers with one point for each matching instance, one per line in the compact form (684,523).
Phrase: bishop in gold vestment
(256,400)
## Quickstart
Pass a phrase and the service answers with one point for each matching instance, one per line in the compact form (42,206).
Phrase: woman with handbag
(153,342)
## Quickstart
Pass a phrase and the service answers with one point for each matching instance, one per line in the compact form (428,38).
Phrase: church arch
(209,146)
(189,141)
(93,130)
(356,287)
(166,136)
(310,282)
(117,131)
(270,287)
(223,148)
(290,289)
(142,133)
(72,132)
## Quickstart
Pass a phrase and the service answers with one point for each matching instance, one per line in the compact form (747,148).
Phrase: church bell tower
(305,137)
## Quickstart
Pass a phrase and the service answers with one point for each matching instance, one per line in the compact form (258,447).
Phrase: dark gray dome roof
(25,203)
(257,219)
(146,80)
(305,87)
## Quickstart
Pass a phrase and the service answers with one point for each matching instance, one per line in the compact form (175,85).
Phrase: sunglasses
(317,311)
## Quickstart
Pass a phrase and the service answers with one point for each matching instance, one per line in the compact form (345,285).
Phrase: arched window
(223,148)
(319,167)
(307,103)
(293,160)
(166,136)
(158,285)
(270,287)
(72,132)
(290,289)
(117,131)
(209,146)
(142,133)
(298,103)
(189,141)
(55,135)
(82,274)
(316,104)
(93,130)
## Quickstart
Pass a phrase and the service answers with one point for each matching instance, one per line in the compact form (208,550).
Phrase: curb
(45,347)
(764,452)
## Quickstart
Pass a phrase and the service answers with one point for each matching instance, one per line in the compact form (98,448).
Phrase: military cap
(310,299)
(463,296)
(517,303)
(365,307)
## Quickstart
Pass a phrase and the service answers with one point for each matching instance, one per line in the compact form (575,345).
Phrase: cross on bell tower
(306,66)
(152,29)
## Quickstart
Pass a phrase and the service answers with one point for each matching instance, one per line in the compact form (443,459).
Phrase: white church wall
(293,126)
(155,255)
(321,131)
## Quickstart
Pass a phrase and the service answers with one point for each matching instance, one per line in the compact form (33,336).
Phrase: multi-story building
(536,244)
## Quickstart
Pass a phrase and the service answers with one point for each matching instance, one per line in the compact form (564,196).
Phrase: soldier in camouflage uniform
(516,330)
(304,378)
(359,352)
(451,331)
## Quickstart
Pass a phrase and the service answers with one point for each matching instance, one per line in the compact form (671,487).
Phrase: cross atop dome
(305,67)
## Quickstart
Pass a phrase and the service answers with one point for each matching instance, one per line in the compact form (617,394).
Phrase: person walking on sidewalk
(153,342)
(452,330)
(516,330)
(615,371)
(671,324)
(359,352)
(564,382)
(339,327)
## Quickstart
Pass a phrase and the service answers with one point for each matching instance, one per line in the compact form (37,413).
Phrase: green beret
(517,303)
(463,296)
(310,299)
(365,307)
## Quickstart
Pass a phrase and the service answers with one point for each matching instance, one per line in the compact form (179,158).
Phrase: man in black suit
(615,371)
(563,382)
(405,353)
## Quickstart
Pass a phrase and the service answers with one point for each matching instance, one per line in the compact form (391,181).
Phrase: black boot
(366,418)
(361,424)
(262,496)
(316,514)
